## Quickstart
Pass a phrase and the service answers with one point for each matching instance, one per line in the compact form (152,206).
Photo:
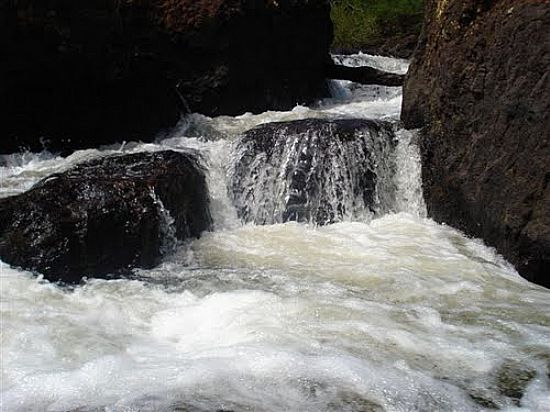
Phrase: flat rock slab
(104,217)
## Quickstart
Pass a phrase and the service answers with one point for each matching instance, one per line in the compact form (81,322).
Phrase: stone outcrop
(80,74)
(312,170)
(105,217)
(479,86)
(364,75)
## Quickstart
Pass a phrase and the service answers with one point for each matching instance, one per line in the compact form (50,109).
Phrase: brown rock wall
(479,86)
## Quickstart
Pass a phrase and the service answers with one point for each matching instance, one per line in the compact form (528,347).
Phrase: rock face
(364,75)
(77,75)
(313,170)
(479,85)
(106,216)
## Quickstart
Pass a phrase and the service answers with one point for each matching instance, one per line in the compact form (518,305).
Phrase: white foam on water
(401,312)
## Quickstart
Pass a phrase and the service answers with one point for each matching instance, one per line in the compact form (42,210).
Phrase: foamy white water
(397,313)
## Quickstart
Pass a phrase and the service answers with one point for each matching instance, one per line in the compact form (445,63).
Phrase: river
(385,310)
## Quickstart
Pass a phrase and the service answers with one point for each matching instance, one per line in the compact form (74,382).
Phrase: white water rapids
(386,313)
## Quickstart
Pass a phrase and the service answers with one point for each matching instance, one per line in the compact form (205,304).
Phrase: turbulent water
(381,311)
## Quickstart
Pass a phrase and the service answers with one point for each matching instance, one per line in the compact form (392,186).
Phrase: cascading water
(382,310)
(314,171)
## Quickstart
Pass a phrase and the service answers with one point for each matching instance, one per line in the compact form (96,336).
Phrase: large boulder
(313,170)
(79,74)
(479,85)
(106,216)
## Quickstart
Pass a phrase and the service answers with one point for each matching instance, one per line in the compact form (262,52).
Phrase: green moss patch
(365,22)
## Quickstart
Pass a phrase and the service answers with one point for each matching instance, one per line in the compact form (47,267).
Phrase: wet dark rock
(353,402)
(483,400)
(364,75)
(479,86)
(207,406)
(81,74)
(309,170)
(106,216)
(194,409)
(512,380)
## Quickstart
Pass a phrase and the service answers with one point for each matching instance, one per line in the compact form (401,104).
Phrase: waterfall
(314,171)
(167,227)
(357,302)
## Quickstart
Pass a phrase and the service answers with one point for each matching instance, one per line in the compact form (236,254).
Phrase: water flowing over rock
(397,313)
(312,170)
(400,46)
(364,75)
(105,216)
(479,83)
(81,74)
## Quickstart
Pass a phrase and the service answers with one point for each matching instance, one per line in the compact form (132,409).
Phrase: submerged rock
(508,384)
(81,74)
(364,75)
(512,380)
(105,216)
(353,402)
(482,399)
(485,117)
(312,170)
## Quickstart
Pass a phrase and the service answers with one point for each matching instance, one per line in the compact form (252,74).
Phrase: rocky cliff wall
(83,73)
(479,86)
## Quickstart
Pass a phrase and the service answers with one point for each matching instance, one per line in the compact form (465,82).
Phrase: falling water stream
(384,310)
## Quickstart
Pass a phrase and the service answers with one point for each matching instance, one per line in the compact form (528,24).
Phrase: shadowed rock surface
(311,170)
(364,75)
(80,74)
(400,46)
(105,216)
(479,85)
